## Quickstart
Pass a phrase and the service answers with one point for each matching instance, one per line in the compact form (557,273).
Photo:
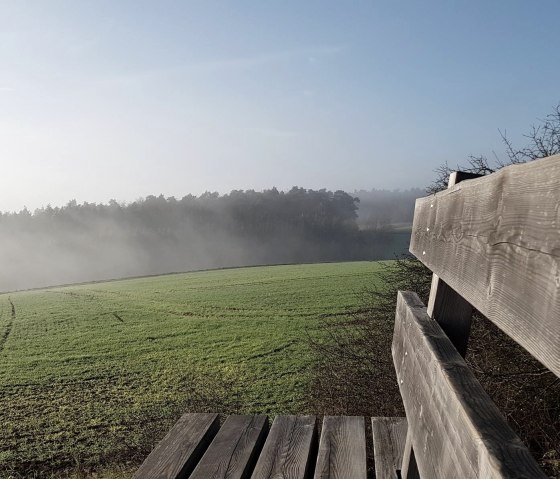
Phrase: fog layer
(155,235)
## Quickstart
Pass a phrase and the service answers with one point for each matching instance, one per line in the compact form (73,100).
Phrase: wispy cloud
(307,53)
(240,63)
(272,132)
(6,88)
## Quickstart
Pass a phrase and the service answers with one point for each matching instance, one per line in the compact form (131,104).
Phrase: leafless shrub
(542,140)
(526,392)
(355,374)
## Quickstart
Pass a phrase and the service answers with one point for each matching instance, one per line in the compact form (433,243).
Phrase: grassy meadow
(91,375)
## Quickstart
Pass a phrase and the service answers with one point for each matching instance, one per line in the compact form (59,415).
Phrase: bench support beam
(453,313)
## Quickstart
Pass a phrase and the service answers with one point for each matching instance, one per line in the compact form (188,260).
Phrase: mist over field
(85,242)
(383,209)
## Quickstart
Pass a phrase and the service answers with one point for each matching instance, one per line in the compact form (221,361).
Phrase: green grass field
(93,374)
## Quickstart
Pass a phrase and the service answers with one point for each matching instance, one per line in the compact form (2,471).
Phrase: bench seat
(244,447)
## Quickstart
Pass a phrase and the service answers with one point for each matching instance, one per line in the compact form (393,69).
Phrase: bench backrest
(493,244)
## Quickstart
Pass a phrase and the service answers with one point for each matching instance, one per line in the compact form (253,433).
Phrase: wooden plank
(342,448)
(177,453)
(389,437)
(496,241)
(289,450)
(234,450)
(455,428)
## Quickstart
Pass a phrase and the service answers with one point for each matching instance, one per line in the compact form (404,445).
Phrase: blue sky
(117,99)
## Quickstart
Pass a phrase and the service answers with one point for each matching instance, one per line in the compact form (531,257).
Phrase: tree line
(82,242)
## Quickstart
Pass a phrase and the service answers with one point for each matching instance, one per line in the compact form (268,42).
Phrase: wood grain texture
(456,430)
(342,449)
(177,453)
(389,438)
(234,451)
(289,450)
(496,241)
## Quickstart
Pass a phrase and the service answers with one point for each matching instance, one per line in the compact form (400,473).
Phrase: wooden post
(453,313)
(445,305)
(409,469)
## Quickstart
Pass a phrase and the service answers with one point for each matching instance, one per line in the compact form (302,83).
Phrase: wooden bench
(493,243)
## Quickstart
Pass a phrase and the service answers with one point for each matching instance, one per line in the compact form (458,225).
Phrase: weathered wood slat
(389,437)
(177,453)
(456,429)
(496,241)
(342,449)
(234,450)
(288,452)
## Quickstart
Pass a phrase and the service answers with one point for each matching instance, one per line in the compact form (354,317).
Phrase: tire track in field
(87,295)
(74,294)
(8,330)
(273,351)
